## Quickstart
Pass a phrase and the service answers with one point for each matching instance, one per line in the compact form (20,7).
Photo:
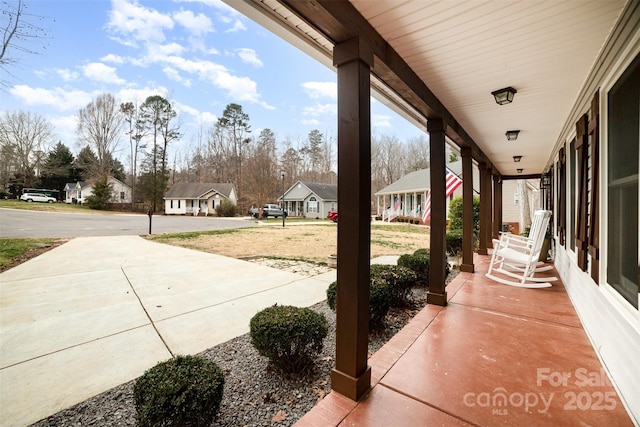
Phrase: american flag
(452,183)
(396,205)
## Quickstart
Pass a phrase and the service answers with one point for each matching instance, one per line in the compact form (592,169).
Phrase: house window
(312,205)
(623,154)
(171,203)
(122,195)
(178,204)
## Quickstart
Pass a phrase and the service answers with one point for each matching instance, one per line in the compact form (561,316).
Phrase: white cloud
(381,120)
(320,110)
(116,59)
(310,122)
(317,90)
(238,25)
(197,25)
(102,73)
(65,127)
(249,56)
(138,96)
(59,98)
(174,75)
(66,74)
(238,88)
(131,23)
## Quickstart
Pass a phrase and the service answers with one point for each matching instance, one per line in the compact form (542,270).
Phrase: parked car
(267,211)
(333,216)
(37,197)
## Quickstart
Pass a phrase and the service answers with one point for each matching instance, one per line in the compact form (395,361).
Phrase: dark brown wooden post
(497,207)
(437,294)
(485,198)
(351,376)
(467,211)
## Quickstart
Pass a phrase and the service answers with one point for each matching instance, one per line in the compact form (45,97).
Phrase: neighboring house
(195,198)
(406,196)
(71,191)
(120,192)
(310,199)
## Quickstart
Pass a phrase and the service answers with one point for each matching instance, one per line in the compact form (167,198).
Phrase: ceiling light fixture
(517,158)
(512,135)
(504,96)
(519,170)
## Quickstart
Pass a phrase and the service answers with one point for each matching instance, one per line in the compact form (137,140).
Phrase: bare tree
(137,130)
(262,171)
(19,33)
(417,153)
(26,136)
(100,126)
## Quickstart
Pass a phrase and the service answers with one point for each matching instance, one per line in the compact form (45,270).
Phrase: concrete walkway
(98,311)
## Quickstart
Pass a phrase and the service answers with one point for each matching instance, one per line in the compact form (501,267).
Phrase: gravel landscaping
(254,393)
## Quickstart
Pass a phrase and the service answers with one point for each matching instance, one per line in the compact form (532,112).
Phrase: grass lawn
(15,251)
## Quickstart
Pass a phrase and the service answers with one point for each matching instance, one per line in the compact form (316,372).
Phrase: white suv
(37,197)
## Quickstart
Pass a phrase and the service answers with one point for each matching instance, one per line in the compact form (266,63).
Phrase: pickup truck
(267,211)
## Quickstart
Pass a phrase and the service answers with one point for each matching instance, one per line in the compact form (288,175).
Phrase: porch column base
(467,268)
(348,386)
(483,251)
(437,299)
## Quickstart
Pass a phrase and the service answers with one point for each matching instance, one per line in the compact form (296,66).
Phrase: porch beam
(467,211)
(497,206)
(351,375)
(485,208)
(437,288)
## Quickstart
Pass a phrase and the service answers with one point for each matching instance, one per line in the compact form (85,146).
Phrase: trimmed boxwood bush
(290,337)
(454,242)
(419,264)
(400,281)
(182,391)
(422,251)
(379,300)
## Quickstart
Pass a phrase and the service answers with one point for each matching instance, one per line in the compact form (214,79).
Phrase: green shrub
(183,391)
(400,281)
(422,251)
(379,301)
(226,209)
(419,264)
(455,214)
(290,337)
(454,242)
(332,294)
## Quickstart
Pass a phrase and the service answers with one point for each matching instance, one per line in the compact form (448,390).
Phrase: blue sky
(199,54)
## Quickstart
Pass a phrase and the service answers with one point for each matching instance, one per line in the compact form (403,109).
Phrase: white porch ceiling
(465,49)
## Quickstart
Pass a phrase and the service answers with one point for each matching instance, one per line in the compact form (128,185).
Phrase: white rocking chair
(517,256)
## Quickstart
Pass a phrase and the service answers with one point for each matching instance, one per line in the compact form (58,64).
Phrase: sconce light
(512,135)
(517,158)
(504,96)
(519,170)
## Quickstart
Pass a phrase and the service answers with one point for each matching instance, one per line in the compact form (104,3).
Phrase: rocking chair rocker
(517,256)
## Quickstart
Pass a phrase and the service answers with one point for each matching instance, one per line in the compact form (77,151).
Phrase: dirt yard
(306,242)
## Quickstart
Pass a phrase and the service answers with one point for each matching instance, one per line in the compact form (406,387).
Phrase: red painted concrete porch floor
(496,355)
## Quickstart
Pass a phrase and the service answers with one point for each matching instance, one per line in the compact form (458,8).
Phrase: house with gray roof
(197,198)
(310,199)
(407,196)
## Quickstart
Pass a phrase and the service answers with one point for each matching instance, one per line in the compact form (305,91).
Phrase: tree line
(226,152)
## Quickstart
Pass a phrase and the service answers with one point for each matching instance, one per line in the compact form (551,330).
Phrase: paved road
(15,223)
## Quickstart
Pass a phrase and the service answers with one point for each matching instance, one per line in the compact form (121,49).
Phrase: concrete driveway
(98,311)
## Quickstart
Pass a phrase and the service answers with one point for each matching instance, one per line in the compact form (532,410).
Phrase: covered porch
(522,90)
(495,355)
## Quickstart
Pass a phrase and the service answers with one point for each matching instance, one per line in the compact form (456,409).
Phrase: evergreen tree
(58,169)
(101,195)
